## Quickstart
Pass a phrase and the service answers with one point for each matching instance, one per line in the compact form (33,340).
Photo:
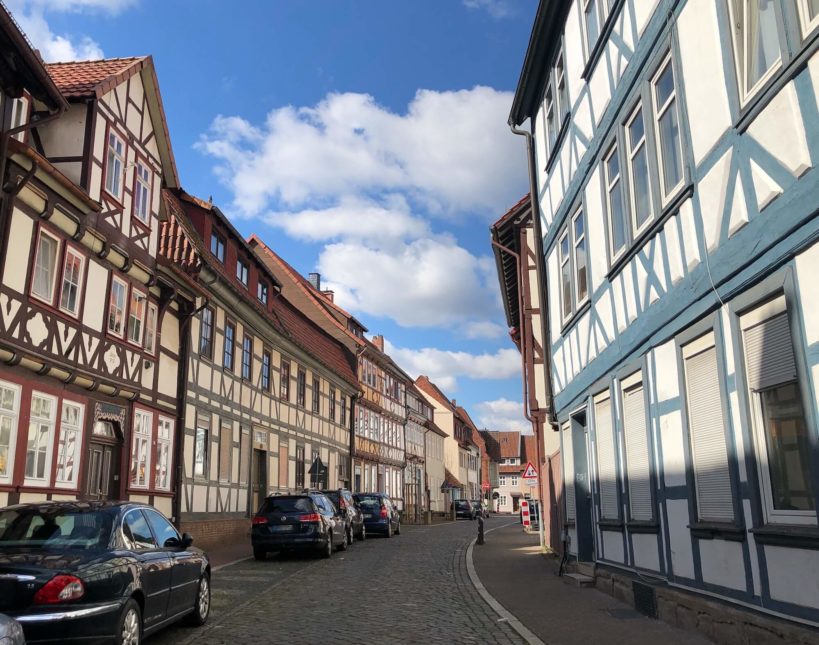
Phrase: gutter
(541,276)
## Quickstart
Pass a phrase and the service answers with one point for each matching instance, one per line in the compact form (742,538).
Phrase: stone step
(586,568)
(578,579)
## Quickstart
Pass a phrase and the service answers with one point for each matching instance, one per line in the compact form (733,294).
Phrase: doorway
(259,481)
(102,481)
(582,487)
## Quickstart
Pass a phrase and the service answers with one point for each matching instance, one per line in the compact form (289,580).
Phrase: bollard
(480,530)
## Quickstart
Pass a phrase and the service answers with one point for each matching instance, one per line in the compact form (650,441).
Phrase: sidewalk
(512,570)
(229,553)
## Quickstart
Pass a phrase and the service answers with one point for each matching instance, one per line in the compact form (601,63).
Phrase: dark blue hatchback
(380,514)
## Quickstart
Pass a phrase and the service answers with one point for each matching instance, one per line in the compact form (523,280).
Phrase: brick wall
(216,533)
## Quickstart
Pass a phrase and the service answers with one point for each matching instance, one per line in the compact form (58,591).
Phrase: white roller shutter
(705,420)
(568,473)
(769,353)
(606,459)
(637,453)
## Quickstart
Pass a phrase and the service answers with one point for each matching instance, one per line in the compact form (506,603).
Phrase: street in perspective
(478,321)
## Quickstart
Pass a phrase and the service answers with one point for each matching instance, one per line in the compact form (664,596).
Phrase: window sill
(642,526)
(670,209)
(561,135)
(611,525)
(602,40)
(800,537)
(717,530)
(762,97)
(571,320)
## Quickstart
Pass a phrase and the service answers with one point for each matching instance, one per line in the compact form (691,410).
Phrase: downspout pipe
(541,274)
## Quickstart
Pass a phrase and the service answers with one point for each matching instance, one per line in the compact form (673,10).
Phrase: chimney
(378,341)
(315,280)
(330,295)
(454,405)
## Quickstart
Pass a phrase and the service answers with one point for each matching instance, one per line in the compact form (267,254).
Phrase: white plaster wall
(17,251)
(646,553)
(793,575)
(682,556)
(722,563)
(96,286)
(613,546)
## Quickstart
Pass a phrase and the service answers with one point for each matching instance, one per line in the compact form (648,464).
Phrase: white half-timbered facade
(267,391)
(674,154)
(88,328)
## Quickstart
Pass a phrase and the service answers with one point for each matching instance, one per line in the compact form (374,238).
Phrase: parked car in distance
(380,514)
(353,517)
(98,571)
(11,632)
(300,522)
(463,509)
(477,508)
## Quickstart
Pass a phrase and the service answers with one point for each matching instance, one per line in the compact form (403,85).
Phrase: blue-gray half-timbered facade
(675,146)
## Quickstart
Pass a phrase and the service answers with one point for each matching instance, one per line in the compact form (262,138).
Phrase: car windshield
(369,501)
(287,505)
(461,504)
(333,496)
(46,527)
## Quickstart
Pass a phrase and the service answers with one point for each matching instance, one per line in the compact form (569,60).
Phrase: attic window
(115,165)
(241,272)
(217,247)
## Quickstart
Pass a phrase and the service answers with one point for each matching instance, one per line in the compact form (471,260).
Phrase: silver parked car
(11,633)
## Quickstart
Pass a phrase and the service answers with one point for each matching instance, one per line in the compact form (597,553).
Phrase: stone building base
(721,622)
(211,534)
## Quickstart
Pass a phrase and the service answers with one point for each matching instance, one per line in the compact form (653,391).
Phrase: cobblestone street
(410,588)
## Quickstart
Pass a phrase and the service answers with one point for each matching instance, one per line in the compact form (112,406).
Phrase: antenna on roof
(210,199)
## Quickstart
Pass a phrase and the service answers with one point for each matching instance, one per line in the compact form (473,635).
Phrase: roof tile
(81,78)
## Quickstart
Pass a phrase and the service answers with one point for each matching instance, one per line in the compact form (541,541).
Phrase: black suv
(353,518)
(297,522)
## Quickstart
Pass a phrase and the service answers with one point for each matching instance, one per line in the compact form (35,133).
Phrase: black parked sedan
(297,523)
(102,571)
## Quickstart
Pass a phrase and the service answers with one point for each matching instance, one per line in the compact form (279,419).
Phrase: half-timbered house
(268,394)
(87,329)
(673,150)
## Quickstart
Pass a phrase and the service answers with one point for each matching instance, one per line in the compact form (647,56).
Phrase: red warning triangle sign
(530,471)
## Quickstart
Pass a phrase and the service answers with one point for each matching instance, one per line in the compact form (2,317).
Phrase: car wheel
(201,609)
(363,535)
(259,554)
(398,528)
(129,629)
(389,530)
(328,550)
(343,545)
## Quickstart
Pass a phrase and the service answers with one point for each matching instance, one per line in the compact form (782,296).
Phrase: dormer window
(217,247)
(115,165)
(142,193)
(261,292)
(241,272)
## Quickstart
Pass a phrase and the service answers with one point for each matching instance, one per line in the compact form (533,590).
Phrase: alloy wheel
(204,598)
(130,628)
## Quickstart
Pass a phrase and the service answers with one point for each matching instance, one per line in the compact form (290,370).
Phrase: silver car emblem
(283,518)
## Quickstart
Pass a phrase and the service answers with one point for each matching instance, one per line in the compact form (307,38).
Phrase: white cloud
(428,282)
(483,329)
(354,218)
(501,414)
(495,8)
(31,15)
(445,366)
(450,152)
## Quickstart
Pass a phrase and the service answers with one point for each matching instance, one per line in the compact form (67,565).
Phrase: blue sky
(363,140)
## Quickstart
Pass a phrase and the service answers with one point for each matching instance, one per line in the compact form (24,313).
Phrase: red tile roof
(425,385)
(81,78)
(450,481)
(511,212)
(529,450)
(509,443)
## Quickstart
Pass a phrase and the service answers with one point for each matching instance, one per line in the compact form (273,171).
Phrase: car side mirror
(187,540)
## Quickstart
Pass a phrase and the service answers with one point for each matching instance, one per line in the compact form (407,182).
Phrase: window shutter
(606,460)
(709,450)
(568,473)
(769,353)
(639,476)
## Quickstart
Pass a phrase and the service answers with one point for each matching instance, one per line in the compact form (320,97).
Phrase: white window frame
(14,418)
(578,302)
(262,291)
(243,275)
(49,299)
(807,23)
(657,112)
(609,186)
(142,193)
(71,251)
(202,429)
(740,51)
(584,9)
(550,113)
(561,86)
(164,459)
(33,480)
(564,259)
(514,480)
(151,321)
(122,309)
(140,300)
(772,516)
(630,156)
(139,437)
(112,158)
(62,456)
